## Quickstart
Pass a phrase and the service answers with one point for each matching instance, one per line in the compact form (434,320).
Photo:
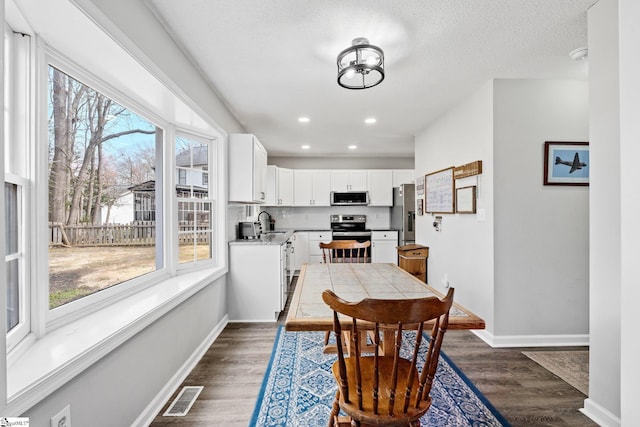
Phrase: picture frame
(420,206)
(466,200)
(420,186)
(439,191)
(566,163)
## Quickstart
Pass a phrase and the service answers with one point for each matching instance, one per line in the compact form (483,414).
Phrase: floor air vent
(183,402)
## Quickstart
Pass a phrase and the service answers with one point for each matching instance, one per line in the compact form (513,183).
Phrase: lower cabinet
(257,282)
(315,237)
(300,241)
(383,246)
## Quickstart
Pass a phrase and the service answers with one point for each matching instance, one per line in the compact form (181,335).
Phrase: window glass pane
(11,218)
(102,193)
(13,257)
(194,200)
(13,294)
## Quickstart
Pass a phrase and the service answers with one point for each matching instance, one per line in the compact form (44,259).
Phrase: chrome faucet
(265,225)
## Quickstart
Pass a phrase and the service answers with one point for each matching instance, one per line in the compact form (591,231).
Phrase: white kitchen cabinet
(311,187)
(348,180)
(383,246)
(279,186)
(315,237)
(380,187)
(300,242)
(257,282)
(403,176)
(247,169)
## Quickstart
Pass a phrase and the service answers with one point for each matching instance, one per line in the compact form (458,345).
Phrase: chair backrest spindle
(344,251)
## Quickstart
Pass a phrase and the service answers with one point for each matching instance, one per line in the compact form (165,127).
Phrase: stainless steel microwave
(349,198)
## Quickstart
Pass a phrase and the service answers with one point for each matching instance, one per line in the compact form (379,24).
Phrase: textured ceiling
(273,61)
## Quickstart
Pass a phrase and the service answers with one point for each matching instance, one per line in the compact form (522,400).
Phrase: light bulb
(350,73)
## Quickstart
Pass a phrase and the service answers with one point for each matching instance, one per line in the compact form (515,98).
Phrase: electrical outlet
(62,418)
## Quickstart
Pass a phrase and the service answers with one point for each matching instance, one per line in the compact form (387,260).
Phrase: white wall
(521,263)
(605,208)
(629,13)
(463,250)
(541,232)
(116,389)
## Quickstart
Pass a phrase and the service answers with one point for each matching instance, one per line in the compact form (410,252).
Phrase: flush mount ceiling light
(579,54)
(360,66)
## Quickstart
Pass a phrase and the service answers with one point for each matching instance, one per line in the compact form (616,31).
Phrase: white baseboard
(155,406)
(599,415)
(532,340)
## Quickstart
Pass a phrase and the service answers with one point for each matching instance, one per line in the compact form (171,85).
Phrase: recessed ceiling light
(370,120)
(304,119)
(305,147)
(353,147)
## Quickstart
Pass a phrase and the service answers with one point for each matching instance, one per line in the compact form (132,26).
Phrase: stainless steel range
(351,227)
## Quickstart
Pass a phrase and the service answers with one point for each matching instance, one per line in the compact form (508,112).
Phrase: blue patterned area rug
(298,389)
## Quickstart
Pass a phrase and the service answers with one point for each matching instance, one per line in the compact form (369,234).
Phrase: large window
(102,193)
(110,189)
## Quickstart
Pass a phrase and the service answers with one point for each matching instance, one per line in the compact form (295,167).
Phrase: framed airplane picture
(566,163)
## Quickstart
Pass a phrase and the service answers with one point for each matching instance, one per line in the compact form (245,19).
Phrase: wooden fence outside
(141,233)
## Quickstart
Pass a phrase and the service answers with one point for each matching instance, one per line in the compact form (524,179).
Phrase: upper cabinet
(348,180)
(380,187)
(311,187)
(403,176)
(247,169)
(279,186)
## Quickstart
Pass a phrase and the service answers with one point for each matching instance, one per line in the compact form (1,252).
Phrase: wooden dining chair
(390,389)
(344,251)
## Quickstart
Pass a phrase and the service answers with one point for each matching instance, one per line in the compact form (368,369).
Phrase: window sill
(50,362)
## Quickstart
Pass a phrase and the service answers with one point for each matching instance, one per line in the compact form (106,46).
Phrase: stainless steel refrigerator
(403,213)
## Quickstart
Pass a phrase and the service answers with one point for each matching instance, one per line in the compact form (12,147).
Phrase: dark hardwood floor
(232,370)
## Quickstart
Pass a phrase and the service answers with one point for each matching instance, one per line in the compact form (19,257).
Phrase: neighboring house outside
(137,203)
(121,212)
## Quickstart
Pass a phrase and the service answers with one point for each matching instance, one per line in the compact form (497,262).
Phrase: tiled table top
(354,282)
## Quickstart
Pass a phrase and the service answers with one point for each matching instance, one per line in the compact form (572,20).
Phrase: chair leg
(334,410)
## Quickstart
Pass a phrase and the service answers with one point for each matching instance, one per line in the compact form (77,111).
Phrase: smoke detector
(579,54)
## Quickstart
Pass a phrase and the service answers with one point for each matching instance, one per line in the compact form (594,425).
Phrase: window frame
(22,329)
(213,159)
(165,205)
(18,85)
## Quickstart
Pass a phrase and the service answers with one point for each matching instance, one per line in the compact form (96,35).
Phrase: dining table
(354,282)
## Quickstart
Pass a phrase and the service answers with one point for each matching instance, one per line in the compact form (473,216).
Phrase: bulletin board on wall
(439,191)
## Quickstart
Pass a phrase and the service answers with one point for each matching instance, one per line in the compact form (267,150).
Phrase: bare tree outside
(100,152)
